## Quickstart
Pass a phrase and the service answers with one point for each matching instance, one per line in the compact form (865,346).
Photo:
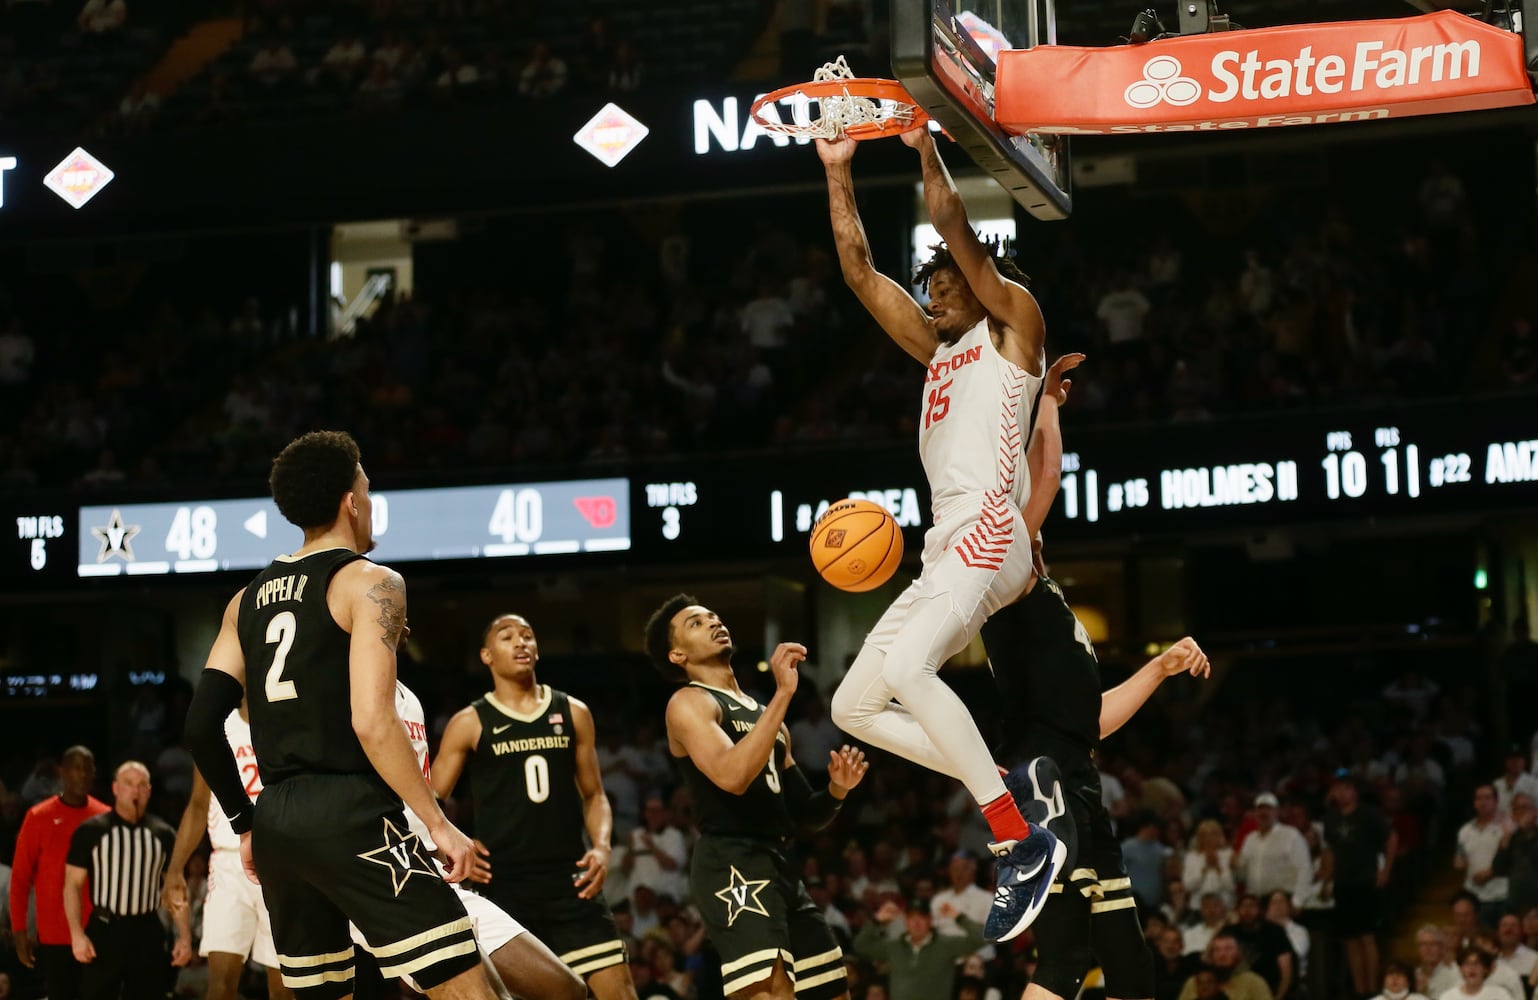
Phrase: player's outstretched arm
(597,814)
(219,691)
(892,307)
(1122,702)
(374,599)
(1045,456)
(1006,300)
(694,727)
(189,834)
(460,738)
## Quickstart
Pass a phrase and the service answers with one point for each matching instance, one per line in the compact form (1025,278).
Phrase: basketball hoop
(848,105)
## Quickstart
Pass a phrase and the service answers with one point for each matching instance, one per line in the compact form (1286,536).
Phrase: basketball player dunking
(982,342)
(532,752)
(318,631)
(750,799)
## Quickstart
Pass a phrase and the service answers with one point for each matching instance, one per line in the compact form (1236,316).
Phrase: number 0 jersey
(761,810)
(978,411)
(523,777)
(298,685)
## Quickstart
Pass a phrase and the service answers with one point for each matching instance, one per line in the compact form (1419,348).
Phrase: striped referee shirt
(125,861)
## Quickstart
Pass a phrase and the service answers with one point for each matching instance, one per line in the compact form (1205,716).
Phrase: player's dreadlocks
(940,258)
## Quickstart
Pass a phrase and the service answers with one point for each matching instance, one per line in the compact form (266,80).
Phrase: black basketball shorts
(334,848)
(755,911)
(544,899)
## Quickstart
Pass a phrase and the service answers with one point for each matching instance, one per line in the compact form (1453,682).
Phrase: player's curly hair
(659,637)
(940,258)
(312,474)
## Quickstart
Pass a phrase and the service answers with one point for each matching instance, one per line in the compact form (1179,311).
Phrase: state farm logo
(1368,66)
(1163,84)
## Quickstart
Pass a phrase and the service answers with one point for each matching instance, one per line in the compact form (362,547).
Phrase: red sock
(1004,819)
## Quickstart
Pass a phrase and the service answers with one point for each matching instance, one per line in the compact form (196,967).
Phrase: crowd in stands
(1255,829)
(629,344)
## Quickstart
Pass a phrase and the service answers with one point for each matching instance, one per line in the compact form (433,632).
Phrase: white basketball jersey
(409,708)
(221,835)
(978,410)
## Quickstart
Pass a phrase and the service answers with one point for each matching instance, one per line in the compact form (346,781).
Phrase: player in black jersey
(533,760)
(750,799)
(317,633)
(1047,673)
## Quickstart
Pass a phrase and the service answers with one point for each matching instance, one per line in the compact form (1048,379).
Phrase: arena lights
(611,135)
(7,163)
(78,178)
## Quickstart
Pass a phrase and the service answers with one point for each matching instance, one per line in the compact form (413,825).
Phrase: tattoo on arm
(390,595)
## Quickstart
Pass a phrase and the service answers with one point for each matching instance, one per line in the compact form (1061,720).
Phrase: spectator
(1517,859)
(1279,912)
(1122,311)
(1274,855)
(101,17)
(1225,962)
(273,64)
(1396,983)
(138,106)
(41,849)
(1514,954)
(1434,973)
(921,963)
(962,896)
(1514,780)
(1257,285)
(626,68)
(1209,865)
(544,75)
(814,735)
(345,59)
(974,968)
(1478,842)
(17,354)
(1364,846)
(1173,964)
(1474,966)
(657,855)
(1267,949)
(1145,856)
(1214,915)
(1465,929)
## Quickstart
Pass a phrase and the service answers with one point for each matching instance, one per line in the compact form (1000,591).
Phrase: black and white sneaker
(1027,868)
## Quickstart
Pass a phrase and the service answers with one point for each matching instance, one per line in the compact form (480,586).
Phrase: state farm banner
(1305,74)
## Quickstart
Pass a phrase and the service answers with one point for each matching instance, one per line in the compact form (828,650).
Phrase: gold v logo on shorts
(741,896)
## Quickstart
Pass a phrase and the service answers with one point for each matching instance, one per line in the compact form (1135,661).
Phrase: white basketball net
(840,111)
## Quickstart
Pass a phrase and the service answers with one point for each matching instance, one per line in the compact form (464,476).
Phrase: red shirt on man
(41,847)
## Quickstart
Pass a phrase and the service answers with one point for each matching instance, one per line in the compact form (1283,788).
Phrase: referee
(124,855)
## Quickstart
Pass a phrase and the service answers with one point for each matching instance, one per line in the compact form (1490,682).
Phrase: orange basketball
(856,545)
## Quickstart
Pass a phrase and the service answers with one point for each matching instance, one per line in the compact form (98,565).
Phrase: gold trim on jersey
(822,977)
(294,558)
(744,700)
(417,940)
(585,969)
(534,716)
(318,979)
(430,959)
(310,961)
(614,944)
(1112,904)
(834,955)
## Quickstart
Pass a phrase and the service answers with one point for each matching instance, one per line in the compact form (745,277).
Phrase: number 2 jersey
(298,680)
(978,411)
(523,777)
(759,812)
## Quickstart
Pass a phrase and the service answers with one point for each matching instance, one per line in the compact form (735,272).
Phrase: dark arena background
(587,323)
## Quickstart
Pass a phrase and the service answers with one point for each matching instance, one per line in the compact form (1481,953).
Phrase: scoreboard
(1172,480)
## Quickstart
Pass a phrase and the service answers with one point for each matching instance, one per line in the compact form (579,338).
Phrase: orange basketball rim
(859,107)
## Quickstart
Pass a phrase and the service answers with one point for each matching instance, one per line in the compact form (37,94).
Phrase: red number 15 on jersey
(939,404)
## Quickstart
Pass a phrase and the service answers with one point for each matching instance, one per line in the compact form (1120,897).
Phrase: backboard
(944,53)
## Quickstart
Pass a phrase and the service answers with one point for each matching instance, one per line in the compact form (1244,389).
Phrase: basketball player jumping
(533,760)
(318,632)
(235,924)
(750,798)
(1049,678)
(982,342)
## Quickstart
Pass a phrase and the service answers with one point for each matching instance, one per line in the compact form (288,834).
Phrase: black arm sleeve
(811,810)
(218,695)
